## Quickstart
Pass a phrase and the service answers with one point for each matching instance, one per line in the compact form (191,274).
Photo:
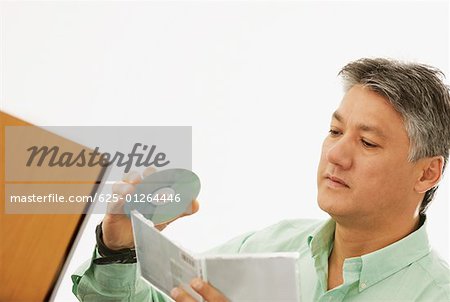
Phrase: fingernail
(174,292)
(197,284)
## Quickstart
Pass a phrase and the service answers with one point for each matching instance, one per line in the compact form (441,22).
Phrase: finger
(148,171)
(132,177)
(195,206)
(207,291)
(122,188)
(179,295)
(161,226)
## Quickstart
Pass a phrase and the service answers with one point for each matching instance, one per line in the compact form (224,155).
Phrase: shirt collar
(384,262)
(379,264)
(322,237)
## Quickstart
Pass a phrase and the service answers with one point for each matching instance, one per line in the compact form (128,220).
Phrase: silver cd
(164,195)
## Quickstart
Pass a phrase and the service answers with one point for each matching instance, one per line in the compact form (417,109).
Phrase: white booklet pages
(240,277)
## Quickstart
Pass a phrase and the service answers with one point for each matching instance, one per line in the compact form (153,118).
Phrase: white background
(256,81)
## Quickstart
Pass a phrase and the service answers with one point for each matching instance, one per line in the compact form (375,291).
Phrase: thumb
(195,206)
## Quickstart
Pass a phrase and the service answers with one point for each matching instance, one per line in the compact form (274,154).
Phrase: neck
(354,241)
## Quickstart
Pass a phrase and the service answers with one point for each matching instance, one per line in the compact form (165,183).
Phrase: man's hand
(116,227)
(206,290)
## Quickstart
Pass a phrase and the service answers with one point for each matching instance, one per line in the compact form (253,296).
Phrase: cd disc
(164,195)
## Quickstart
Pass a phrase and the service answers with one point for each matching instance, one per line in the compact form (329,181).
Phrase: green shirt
(407,270)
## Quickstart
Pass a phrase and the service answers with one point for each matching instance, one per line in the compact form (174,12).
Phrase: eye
(367,144)
(334,132)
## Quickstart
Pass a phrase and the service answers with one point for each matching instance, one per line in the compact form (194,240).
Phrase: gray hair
(418,93)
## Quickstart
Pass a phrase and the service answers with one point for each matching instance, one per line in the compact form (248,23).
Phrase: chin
(332,205)
(326,204)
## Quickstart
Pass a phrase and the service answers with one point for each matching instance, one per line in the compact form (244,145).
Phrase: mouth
(335,182)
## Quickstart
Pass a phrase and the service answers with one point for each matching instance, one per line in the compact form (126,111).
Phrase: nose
(339,153)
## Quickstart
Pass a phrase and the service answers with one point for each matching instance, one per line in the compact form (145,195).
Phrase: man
(387,148)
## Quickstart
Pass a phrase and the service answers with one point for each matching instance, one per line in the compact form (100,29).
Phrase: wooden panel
(33,246)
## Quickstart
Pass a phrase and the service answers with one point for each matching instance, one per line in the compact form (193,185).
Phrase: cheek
(380,182)
(371,181)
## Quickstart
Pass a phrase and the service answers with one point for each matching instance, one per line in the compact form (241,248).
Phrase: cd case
(240,277)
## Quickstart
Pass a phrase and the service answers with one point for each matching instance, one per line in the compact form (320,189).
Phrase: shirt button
(363,285)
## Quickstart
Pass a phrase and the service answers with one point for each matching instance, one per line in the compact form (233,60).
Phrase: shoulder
(286,235)
(294,226)
(289,228)
(437,273)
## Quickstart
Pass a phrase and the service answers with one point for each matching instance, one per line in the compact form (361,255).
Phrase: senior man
(381,163)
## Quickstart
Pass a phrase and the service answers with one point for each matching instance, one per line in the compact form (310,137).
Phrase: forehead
(367,110)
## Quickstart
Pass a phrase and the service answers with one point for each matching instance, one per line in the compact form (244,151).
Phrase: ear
(430,173)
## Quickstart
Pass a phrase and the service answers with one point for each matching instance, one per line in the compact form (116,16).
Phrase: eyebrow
(363,127)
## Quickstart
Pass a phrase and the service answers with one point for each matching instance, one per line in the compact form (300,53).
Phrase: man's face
(363,171)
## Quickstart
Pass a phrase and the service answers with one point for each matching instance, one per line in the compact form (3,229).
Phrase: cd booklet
(240,277)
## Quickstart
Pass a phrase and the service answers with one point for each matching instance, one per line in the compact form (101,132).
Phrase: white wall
(256,80)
